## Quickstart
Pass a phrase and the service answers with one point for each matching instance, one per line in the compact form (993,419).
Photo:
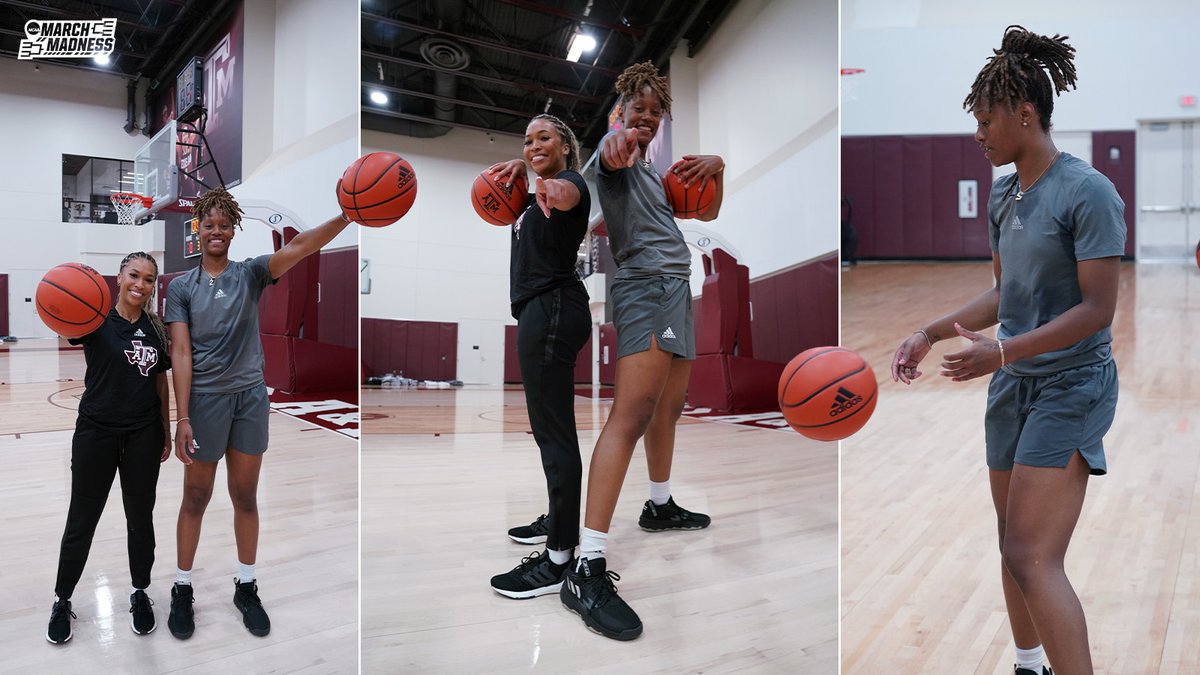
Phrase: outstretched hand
(552,194)
(981,357)
(620,150)
(908,358)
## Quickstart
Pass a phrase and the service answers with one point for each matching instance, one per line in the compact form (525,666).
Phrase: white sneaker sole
(525,595)
(539,539)
(60,643)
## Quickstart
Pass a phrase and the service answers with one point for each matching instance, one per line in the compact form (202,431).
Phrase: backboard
(155,173)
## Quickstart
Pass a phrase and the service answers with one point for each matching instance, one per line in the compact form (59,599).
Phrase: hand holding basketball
(692,168)
(377,189)
(980,358)
(73,300)
(908,357)
(620,150)
(507,172)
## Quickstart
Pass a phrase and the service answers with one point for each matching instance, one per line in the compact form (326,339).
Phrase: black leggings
(96,456)
(551,330)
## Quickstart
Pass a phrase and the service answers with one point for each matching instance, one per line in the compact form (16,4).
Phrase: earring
(1024,124)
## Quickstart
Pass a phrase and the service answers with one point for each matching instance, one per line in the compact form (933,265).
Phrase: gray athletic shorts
(1043,420)
(237,420)
(658,306)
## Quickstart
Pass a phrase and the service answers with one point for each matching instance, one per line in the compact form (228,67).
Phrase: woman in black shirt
(123,426)
(553,323)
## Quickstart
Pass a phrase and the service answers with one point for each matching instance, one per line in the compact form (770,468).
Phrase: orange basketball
(688,202)
(827,393)
(497,203)
(73,299)
(377,189)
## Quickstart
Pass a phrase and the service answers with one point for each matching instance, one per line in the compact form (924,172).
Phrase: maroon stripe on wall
(422,350)
(337,312)
(1122,173)
(3,304)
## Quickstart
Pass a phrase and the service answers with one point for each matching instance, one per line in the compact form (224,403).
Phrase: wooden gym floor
(920,565)
(447,472)
(307,562)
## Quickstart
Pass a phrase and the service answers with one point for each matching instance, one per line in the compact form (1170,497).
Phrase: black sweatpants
(96,457)
(551,330)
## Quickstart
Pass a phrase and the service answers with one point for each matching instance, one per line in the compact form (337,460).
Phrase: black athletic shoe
(670,516)
(1026,671)
(533,533)
(536,575)
(182,622)
(590,593)
(59,630)
(245,598)
(141,615)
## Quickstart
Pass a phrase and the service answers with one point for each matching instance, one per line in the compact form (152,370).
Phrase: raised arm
(305,244)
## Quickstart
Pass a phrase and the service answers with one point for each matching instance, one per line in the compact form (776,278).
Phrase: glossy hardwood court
(307,562)
(447,472)
(920,565)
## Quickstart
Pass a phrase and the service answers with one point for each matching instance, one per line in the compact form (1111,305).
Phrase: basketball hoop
(127,204)
(849,85)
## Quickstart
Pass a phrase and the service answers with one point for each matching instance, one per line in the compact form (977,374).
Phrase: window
(88,185)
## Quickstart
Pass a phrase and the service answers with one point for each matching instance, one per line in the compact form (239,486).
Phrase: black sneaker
(536,575)
(533,533)
(1026,671)
(182,622)
(59,630)
(670,516)
(245,598)
(141,616)
(590,593)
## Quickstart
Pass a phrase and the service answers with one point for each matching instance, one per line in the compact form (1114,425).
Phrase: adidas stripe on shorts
(654,306)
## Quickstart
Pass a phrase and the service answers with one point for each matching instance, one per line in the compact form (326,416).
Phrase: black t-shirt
(123,361)
(544,250)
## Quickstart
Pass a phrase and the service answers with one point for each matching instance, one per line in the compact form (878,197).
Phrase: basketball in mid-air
(73,299)
(827,393)
(377,189)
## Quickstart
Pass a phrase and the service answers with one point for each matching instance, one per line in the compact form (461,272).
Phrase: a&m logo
(142,356)
(67,39)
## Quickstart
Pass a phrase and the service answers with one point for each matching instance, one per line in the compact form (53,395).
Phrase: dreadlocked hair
(639,76)
(568,137)
(1023,69)
(148,306)
(218,198)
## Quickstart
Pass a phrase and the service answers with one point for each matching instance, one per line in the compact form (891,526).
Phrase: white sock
(183,577)
(592,544)
(559,557)
(660,492)
(245,572)
(1031,659)
(133,590)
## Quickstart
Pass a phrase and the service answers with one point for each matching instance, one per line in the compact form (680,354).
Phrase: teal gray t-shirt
(1073,213)
(642,233)
(227,354)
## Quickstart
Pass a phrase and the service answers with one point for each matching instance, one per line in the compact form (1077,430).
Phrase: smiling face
(644,113)
(544,149)
(215,234)
(135,283)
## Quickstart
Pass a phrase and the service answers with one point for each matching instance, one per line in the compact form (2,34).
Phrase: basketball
(827,393)
(73,299)
(377,189)
(688,202)
(497,203)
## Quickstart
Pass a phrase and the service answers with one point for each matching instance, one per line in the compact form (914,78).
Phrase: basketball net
(127,204)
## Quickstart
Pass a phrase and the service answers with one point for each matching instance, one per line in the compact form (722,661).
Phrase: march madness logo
(67,39)
(142,356)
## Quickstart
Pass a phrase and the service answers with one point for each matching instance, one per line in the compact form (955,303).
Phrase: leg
(1024,633)
(1043,507)
(243,492)
(139,482)
(660,434)
(640,381)
(93,467)
(198,478)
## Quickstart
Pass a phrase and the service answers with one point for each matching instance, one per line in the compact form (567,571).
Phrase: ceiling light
(579,44)
(101,59)
(378,97)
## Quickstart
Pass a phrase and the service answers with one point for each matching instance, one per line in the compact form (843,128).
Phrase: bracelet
(1000,343)
(924,335)
(183,419)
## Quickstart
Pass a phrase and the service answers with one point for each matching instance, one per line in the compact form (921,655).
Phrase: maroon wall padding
(583,363)
(111,280)
(337,312)
(295,365)
(1121,172)
(422,350)
(286,304)
(795,309)
(608,340)
(3,304)
(904,195)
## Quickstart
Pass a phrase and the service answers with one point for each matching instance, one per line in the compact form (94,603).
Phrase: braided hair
(1023,69)
(218,198)
(568,137)
(639,76)
(148,307)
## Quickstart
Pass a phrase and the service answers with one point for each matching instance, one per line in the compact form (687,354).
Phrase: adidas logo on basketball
(844,401)
(668,334)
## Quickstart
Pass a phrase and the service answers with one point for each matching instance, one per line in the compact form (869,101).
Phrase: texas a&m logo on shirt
(142,356)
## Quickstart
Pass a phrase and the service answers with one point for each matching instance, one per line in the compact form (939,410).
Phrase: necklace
(212,279)
(1020,192)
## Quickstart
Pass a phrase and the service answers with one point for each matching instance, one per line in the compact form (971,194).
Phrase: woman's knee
(196,498)
(1026,562)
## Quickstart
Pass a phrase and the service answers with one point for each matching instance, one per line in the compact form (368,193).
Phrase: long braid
(148,307)
(1027,67)
(220,199)
(568,137)
(640,75)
